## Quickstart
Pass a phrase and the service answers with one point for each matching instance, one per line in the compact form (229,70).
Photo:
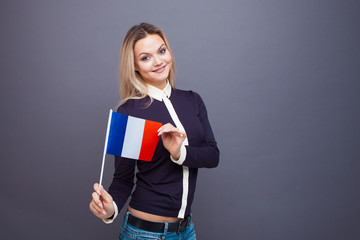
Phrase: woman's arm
(206,155)
(123,180)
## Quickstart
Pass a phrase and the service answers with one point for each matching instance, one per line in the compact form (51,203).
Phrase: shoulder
(187,94)
(188,99)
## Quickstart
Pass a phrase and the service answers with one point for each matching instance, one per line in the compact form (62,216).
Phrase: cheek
(168,58)
(144,67)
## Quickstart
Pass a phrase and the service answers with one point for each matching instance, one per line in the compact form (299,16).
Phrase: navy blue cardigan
(159,183)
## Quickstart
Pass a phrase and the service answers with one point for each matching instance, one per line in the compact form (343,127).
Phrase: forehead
(150,43)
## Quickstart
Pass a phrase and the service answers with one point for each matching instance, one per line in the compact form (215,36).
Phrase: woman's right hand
(102,203)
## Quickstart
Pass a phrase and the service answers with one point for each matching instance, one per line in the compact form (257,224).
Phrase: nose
(157,61)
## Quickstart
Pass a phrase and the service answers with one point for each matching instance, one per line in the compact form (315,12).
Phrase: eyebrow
(148,53)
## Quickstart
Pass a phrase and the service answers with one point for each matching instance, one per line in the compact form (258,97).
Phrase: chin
(161,78)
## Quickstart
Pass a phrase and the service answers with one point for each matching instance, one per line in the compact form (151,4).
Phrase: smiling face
(152,60)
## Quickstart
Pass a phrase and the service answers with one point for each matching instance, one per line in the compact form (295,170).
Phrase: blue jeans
(129,232)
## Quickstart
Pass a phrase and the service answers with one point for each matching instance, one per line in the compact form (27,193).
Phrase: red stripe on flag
(150,140)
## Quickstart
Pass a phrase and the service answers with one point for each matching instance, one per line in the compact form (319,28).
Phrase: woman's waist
(151,217)
(166,202)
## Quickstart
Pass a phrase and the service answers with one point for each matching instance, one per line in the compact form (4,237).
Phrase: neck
(160,85)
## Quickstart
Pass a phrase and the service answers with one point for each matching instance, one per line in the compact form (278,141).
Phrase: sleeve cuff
(110,220)
(182,157)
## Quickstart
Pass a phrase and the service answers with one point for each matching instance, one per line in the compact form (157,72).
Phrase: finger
(165,126)
(97,188)
(169,129)
(181,134)
(97,200)
(96,207)
(93,210)
(96,210)
(175,131)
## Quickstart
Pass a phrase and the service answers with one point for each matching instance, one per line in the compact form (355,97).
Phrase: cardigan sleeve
(207,154)
(123,179)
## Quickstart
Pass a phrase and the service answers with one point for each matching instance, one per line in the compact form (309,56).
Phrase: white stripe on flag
(133,138)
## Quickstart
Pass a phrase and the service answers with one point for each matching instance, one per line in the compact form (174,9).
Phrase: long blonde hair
(132,85)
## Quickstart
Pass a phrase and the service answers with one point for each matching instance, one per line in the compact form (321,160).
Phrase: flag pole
(105,147)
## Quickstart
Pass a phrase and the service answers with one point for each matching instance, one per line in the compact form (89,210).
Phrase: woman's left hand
(172,139)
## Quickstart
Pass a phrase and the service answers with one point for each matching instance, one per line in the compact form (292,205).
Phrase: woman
(160,205)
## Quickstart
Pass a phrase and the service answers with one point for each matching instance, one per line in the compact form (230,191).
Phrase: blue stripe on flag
(116,134)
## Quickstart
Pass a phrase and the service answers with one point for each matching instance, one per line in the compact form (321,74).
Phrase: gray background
(280,79)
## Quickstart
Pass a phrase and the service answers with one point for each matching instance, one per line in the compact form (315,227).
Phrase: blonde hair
(132,85)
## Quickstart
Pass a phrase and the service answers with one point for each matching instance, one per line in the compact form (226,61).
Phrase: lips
(160,70)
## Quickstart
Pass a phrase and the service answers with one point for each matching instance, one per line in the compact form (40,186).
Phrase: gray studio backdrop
(280,79)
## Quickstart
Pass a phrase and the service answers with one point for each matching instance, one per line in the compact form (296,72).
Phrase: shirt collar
(157,93)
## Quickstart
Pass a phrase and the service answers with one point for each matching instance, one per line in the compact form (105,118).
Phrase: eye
(145,58)
(162,51)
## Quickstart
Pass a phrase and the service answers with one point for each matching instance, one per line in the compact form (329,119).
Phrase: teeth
(160,69)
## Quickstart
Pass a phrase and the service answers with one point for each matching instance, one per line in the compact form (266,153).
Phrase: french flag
(131,137)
